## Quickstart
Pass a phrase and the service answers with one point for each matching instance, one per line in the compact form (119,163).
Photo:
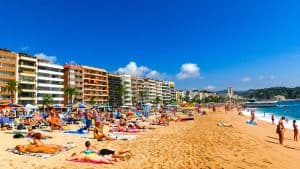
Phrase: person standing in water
(273,118)
(295,130)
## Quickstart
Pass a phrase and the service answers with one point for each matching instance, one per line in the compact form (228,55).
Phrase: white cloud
(52,59)
(188,70)
(153,74)
(132,69)
(246,79)
(210,88)
(25,48)
(140,71)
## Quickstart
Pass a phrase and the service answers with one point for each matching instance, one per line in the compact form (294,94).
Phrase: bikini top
(89,152)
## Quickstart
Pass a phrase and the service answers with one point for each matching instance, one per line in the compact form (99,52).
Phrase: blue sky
(198,44)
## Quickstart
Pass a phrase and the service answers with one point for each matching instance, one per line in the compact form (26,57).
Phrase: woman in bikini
(98,133)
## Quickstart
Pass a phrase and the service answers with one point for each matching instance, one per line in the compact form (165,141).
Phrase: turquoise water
(288,109)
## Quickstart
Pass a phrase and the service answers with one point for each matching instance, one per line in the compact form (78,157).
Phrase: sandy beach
(192,144)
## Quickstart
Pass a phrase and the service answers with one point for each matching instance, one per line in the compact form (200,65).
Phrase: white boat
(256,104)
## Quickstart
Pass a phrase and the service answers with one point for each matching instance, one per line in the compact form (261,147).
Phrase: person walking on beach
(295,130)
(273,118)
(280,130)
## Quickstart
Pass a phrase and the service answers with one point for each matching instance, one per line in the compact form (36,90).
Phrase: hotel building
(166,93)
(27,74)
(127,96)
(114,83)
(172,91)
(50,81)
(8,69)
(95,85)
(149,90)
(73,77)
(159,92)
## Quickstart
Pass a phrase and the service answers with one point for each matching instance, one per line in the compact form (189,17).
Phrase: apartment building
(95,85)
(8,71)
(159,91)
(172,91)
(49,81)
(114,83)
(127,96)
(27,73)
(149,90)
(166,92)
(73,77)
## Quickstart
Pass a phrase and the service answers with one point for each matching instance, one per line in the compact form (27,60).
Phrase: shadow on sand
(286,146)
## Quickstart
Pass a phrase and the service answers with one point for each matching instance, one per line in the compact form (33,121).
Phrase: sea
(288,109)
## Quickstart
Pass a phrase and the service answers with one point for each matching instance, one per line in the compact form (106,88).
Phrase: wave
(266,116)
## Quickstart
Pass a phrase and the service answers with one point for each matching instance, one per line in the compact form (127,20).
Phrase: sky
(199,44)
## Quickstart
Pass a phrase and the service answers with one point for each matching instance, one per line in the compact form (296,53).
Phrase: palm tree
(47,101)
(12,86)
(157,100)
(92,100)
(72,92)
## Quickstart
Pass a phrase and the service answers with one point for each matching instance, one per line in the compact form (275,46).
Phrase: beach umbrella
(57,106)
(79,105)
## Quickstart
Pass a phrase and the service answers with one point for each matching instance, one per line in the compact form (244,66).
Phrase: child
(295,130)
(106,152)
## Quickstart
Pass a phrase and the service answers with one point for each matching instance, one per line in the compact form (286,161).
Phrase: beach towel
(80,131)
(83,161)
(122,136)
(116,129)
(251,122)
(66,147)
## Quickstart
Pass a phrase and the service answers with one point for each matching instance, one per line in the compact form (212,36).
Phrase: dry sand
(193,144)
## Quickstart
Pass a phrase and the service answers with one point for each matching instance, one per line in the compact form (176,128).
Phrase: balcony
(8,69)
(26,98)
(28,90)
(27,73)
(27,66)
(9,61)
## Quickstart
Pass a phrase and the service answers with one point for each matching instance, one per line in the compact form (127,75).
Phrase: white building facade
(127,96)
(50,81)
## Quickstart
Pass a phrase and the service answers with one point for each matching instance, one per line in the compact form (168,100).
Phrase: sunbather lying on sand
(105,152)
(222,124)
(91,157)
(43,148)
(31,133)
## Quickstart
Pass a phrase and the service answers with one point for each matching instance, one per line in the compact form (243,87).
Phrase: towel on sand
(122,136)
